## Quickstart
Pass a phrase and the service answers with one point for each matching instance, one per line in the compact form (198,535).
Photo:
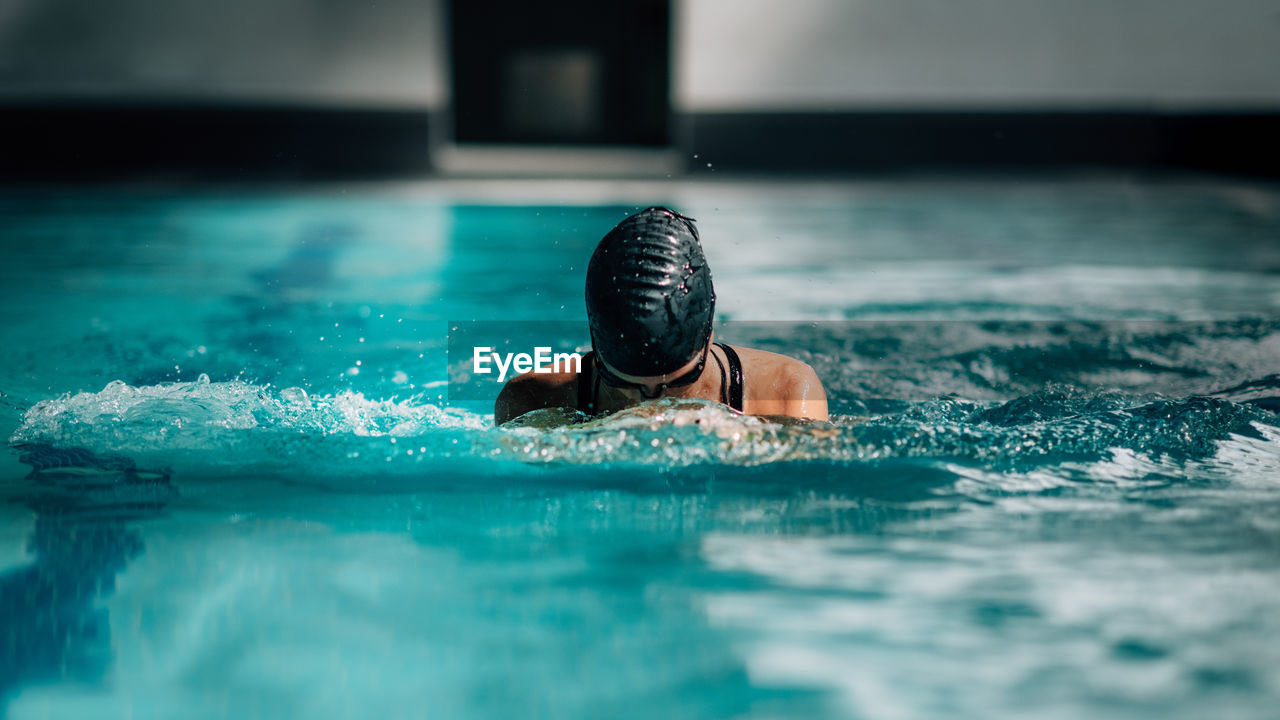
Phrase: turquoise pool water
(236,485)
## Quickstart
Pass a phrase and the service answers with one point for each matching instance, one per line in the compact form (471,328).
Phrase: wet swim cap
(649,295)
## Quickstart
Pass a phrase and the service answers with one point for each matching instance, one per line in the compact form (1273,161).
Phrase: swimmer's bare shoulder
(778,385)
(535,391)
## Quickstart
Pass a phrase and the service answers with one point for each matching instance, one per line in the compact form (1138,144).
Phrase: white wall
(365,52)
(850,54)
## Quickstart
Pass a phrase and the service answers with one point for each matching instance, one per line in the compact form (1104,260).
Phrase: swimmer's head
(649,296)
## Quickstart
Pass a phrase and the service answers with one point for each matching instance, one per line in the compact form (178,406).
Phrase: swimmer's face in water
(651,387)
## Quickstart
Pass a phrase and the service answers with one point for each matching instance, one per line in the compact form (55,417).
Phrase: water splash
(195,414)
(243,425)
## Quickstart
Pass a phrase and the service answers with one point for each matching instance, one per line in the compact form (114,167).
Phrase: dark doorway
(580,72)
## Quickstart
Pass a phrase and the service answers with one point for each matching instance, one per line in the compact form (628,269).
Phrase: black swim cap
(649,295)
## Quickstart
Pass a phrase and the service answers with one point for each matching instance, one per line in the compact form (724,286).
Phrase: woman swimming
(650,306)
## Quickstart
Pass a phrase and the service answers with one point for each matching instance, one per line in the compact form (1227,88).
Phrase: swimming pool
(1051,488)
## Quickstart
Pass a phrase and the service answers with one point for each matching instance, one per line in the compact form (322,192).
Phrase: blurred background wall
(1161,74)
(324,52)
(858,54)
(729,54)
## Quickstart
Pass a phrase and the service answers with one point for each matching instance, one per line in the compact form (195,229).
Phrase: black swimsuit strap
(735,376)
(586,386)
